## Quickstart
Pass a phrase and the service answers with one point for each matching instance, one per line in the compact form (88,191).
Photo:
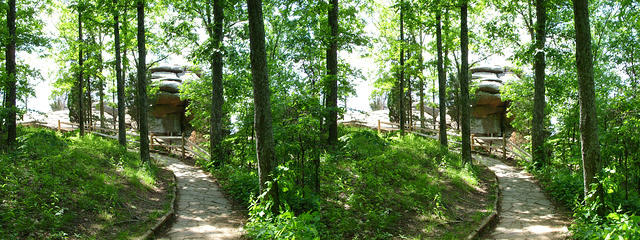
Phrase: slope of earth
(388,186)
(57,186)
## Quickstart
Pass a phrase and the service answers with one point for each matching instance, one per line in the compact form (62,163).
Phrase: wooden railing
(489,144)
(162,143)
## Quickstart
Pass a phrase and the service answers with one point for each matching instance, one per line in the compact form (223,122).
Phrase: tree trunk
(421,106)
(80,82)
(421,82)
(332,71)
(442,81)
(142,86)
(588,118)
(464,85)
(11,74)
(101,84)
(217,98)
(89,105)
(122,136)
(262,103)
(538,128)
(401,108)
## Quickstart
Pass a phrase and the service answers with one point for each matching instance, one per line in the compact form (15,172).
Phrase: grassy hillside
(56,186)
(372,187)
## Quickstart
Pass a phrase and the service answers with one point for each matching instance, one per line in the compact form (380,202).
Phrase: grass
(62,186)
(372,187)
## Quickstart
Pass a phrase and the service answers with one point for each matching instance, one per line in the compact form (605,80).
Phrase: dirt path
(526,212)
(202,212)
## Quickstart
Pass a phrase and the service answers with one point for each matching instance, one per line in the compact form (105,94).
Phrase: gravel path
(526,212)
(202,211)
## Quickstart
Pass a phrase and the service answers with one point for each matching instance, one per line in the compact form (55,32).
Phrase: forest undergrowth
(61,186)
(373,186)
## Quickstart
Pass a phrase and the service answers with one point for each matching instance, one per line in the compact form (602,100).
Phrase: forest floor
(202,211)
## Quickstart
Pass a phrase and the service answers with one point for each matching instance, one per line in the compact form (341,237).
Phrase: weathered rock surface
(166,68)
(167,109)
(168,86)
(478,75)
(488,110)
(489,86)
(490,69)
(163,75)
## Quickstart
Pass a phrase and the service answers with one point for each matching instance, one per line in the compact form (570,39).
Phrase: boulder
(168,86)
(161,110)
(163,75)
(490,86)
(493,79)
(482,111)
(168,99)
(189,76)
(485,98)
(175,79)
(509,77)
(478,75)
(166,68)
(491,69)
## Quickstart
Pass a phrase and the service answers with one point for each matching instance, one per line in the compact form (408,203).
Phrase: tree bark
(332,71)
(442,81)
(464,85)
(80,82)
(401,80)
(262,103)
(101,83)
(122,136)
(217,96)
(538,128)
(11,74)
(142,86)
(588,119)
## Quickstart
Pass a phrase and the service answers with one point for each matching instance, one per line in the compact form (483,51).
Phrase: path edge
(165,220)
(491,220)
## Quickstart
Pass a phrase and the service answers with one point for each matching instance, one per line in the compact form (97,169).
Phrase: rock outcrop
(167,112)
(488,109)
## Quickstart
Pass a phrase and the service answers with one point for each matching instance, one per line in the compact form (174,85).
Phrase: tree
(80,80)
(332,71)
(538,129)
(586,94)
(122,135)
(265,148)
(11,73)
(464,85)
(142,86)
(401,75)
(217,99)
(442,82)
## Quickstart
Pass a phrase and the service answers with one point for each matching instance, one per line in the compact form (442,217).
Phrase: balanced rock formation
(167,111)
(488,109)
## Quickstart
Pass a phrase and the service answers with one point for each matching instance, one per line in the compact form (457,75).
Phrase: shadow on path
(526,212)
(202,211)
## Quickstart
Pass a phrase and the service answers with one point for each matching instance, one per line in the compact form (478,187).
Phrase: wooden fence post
(151,139)
(473,138)
(378,125)
(504,146)
(183,143)
(58,125)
